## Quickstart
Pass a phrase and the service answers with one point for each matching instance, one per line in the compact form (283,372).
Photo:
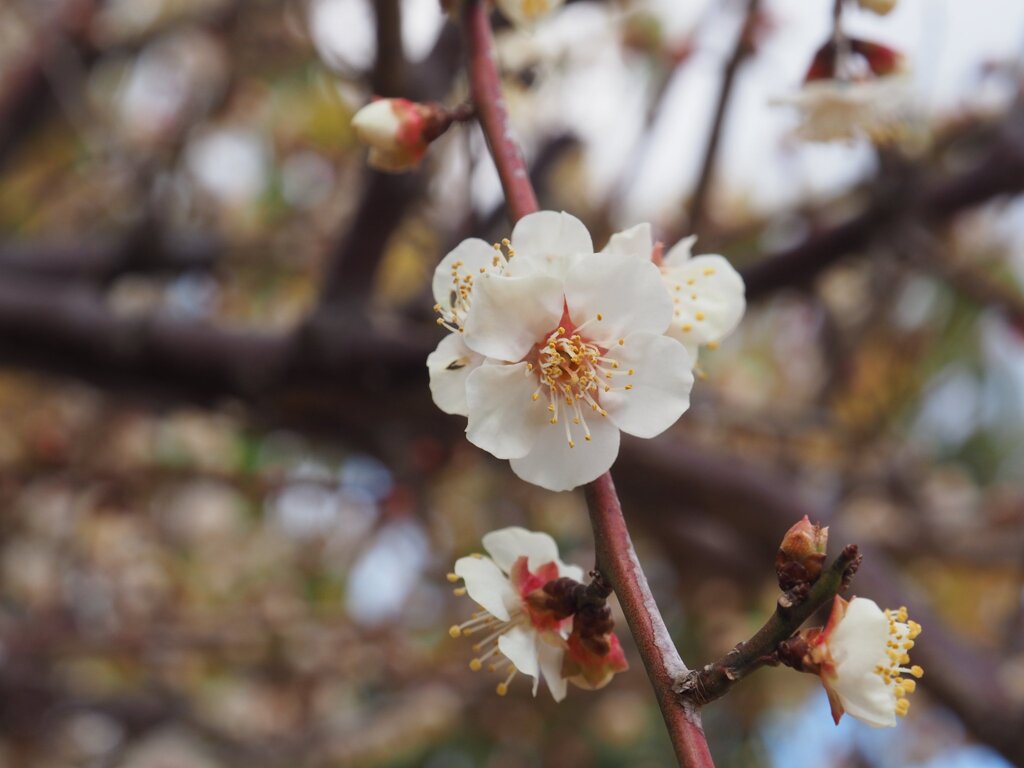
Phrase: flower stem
(618,563)
(485,88)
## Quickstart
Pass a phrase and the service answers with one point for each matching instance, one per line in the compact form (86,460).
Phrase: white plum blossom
(831,109)
(708,294)
(861,656)
(524,13)
(517,634)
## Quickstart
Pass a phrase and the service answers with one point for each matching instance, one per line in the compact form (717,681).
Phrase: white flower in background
(862,655)
(517,636)
(881,7)
(524,13)
(708,294)
(836,110)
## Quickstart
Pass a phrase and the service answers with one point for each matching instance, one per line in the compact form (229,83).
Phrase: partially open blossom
(802,554)
(517,633)
(398,131)
(708,294)
(524,13)
(862,656)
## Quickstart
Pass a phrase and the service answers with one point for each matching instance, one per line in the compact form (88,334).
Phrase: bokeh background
(227,503)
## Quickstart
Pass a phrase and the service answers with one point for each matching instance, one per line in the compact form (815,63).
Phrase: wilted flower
(520,634)
(861,656)
(708,294)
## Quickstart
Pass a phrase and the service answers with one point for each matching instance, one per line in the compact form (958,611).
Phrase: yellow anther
(622,342)
(600,316)
(572,444)
(630,372)
(909,685)
(916,671)
(709,271)
(535,396)
(459,591)
(502,689)
(699,316)
(554,420)
(476,665)
(455,631)
(628,386)
(452,577)
(712,345)
(902,707)
(686,327)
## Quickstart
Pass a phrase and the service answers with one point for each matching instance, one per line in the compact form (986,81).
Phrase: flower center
(572,373)
(902,632)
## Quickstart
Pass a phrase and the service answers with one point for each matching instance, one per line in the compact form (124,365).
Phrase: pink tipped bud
(397,131)
(801,554)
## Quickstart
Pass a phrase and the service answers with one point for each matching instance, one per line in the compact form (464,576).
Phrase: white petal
(504,419)
(868,699)
(449,366)
(552,464)
(709,296)
(628,294)
(511,314)
(661,384)
(680,253)
(570,571)
(487,585)
(635,241)
(550,657)
(858,643)
(475,254)
(509,544)
(551,242)
(519,645)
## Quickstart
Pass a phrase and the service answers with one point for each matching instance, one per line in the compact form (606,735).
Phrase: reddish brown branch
(485,86)
(617,562)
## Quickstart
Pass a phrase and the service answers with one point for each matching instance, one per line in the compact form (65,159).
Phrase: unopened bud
(397,131)
(801,555)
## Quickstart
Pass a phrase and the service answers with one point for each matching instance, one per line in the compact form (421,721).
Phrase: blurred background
(228,504)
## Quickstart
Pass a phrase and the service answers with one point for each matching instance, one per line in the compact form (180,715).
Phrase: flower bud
(397,131)
(801,555)
(591,662)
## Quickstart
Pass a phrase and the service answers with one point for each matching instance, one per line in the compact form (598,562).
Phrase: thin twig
(715,680)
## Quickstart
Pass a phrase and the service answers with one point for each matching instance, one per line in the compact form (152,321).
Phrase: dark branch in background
(744,47)
(715,680)
(25,93)
(1000,172)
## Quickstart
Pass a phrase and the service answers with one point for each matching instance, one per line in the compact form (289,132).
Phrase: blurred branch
(1000,172)
(743,47)
(716,679)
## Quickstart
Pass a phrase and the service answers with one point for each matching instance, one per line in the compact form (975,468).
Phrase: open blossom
(862,655)
(708,294)
(518,634)
(557,350)
(524,13)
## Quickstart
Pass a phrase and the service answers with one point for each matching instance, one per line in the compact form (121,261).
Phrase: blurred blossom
(170,747)
(307,179)
(231,164)
(365,473)
(193,295)
(949,410)
(174,81)
(204,513)
(90,735)
(387,573)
